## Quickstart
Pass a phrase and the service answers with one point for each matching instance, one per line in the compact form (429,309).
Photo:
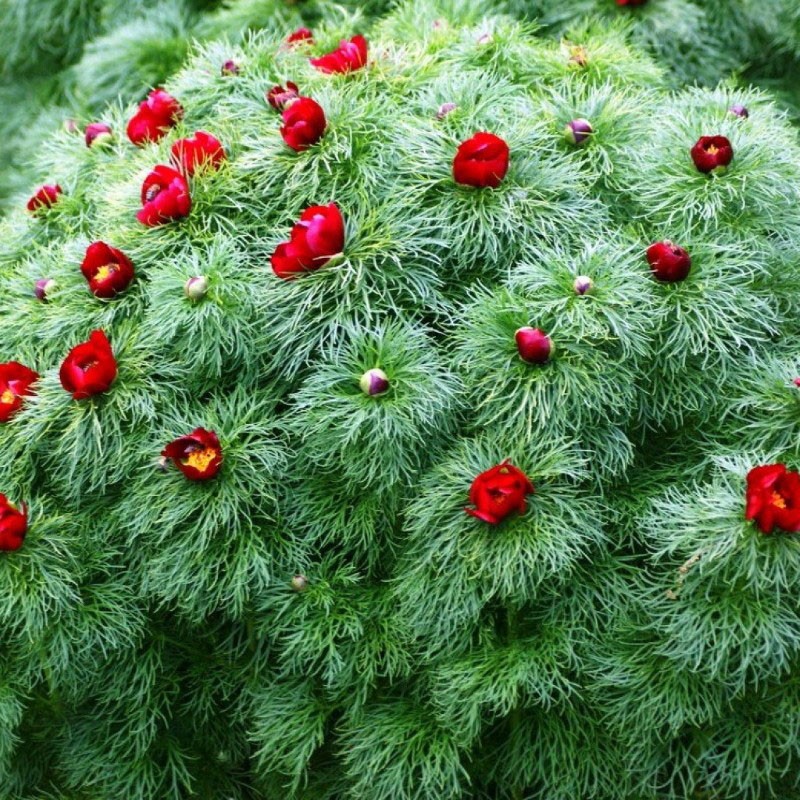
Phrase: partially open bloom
(668,262)
(108,270)
(314,240)
(299,36)
(304,123)
(347,57)
(44,197)
(201,151)
(155,116)
(16,381)
(165,196)
(481,161)
(712,153)
(279,97)
(773,498)
(13,524)
(498,492)
(198,455)
(90,367)
(533,345)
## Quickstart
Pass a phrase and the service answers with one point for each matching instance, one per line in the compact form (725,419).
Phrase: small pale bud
(196,288)
(582,284)
(445,109)
(70,125)
(578,131)
(374,382)
(737,109)
(43,287)
(299,583)
(485,38)
(578,55)
(230,67)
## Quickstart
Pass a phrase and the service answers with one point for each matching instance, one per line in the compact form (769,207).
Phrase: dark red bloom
(198,455)
(315,239)
(300,35)
(165,196)
(108,270)
(773,498)
(97,132)
(481,161)
(279,98)
(13,524)
(304,123)
(498,492)
(156,115)
(533,345)
(712,153)
(347,57)
(199,151)
(44,197)
(90,367)
(631,2)
(668,262)
(15,384)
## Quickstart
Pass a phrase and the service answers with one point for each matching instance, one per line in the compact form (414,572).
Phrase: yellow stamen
(105,272)
(712,149)
(200,459)
(778,500)
(7,397)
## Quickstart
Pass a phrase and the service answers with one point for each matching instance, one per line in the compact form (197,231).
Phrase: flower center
(778,500)
(105,272)
(200,459)
(7,397)
(712,149)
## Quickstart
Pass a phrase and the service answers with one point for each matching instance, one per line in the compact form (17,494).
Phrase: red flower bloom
(44,197)
(533,345)
(279,98)
(199,151)
(156,115)
(712,153)
(348,56)
(108,270)
(165,196)
(90,367)
(15,383)
(198,455)
(13,524)
(97,132)
(481,161)
(315,239)
(300,35)
(498,492)
(773,498)
(668,262)
(304,123)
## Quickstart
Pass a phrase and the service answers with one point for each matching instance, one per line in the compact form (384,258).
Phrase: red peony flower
(498,492)
(97,132)
(668,262)
(13,524)
(712,153)
(773,498)
(165,196)
(199,151)
(108,270)
(44,197)
(304,123)
(279,98)
(156,115)
(15,384)
(533,345)
(315,239)
(90,367)
(347,57)
(481,161)
(198,455)
(300,35)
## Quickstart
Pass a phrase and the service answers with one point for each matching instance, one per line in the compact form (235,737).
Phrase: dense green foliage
(630,637)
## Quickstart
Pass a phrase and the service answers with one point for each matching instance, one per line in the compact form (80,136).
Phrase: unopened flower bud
(739,110)
(374,382)
(578,55)
(299,583)
(578,131)
(97,133)
(797,382)
(533,345)
(162,463)
(70,125)
(582,284)
(485,38)
(445,109)
(43,287)
(230,67)
(196,288)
